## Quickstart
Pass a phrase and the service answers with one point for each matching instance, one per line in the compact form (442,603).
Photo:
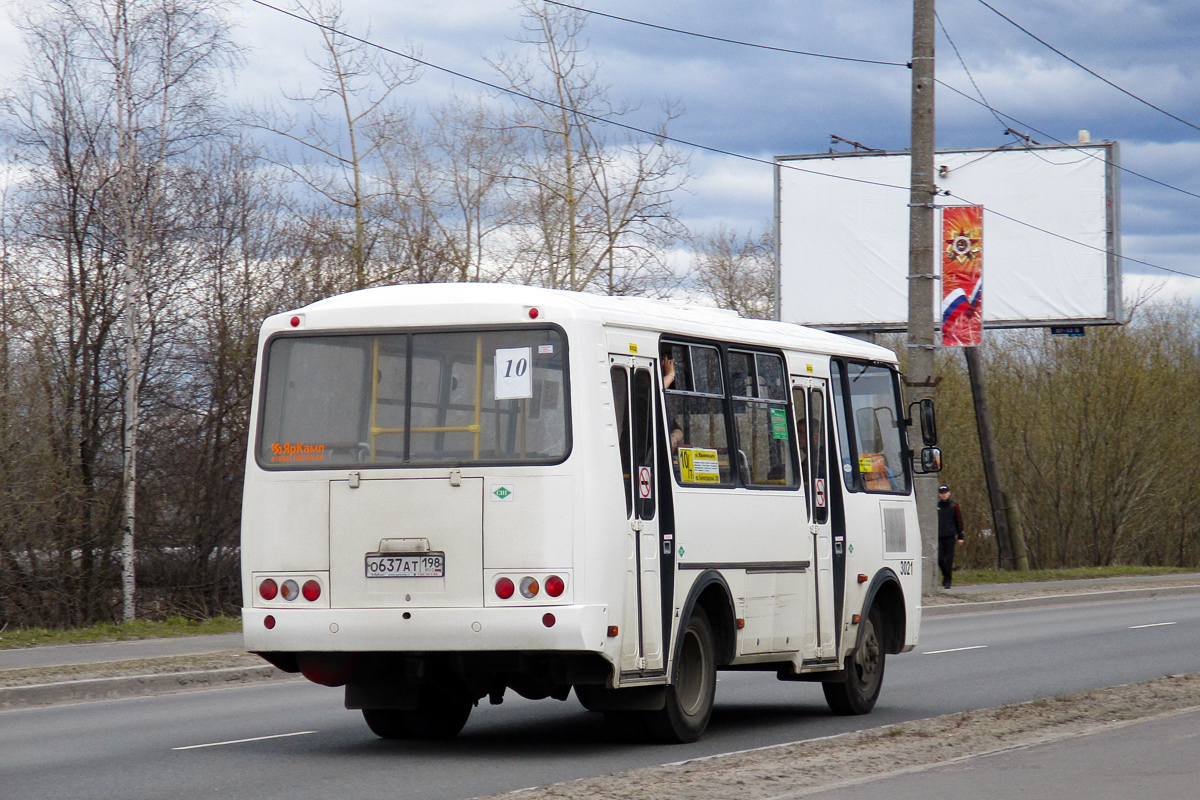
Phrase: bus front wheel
(438,715)
(690,697)
(864,671)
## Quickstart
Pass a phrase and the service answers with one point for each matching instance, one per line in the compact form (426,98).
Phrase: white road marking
(1151,625)
(243,741)
(957,649)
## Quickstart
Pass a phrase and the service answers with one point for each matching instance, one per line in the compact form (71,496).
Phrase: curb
(44,694)
(969,607)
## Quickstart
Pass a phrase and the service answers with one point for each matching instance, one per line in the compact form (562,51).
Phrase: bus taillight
(312,590)
(290,590)
(268,589)
(555,586)
(529,587)
(504,588)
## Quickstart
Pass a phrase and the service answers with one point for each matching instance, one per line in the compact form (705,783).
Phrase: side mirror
(931,460)
(928,422)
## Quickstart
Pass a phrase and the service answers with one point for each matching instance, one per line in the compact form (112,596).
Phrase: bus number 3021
(906,568)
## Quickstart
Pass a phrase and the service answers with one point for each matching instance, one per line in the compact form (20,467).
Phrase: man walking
(950,533)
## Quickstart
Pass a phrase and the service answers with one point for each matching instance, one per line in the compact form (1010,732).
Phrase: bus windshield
(414,399)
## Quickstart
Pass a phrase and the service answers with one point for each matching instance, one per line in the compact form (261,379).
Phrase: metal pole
(987,449)
(921,342)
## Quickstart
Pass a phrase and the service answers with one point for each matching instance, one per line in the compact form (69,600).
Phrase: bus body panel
(567,518)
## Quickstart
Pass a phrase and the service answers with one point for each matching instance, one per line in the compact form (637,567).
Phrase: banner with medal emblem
(962,276)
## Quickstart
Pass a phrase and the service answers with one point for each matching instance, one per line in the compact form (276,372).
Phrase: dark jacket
(950,524)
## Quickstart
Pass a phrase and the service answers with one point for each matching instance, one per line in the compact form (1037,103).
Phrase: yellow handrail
(478,390)
(374,395)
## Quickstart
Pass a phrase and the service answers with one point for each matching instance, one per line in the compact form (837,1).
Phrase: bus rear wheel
(864,671)
(438,715)
(690,696)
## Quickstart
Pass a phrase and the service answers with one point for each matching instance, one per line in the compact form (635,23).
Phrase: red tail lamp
(505,588)
(268,589)
(555,586)
(311,590)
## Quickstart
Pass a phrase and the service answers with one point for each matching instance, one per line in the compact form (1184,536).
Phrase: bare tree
(351,115)
(116,93)
(737,272)
(589,214)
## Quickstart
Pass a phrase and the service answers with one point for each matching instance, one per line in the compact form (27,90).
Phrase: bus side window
(800,403)
(643,438)
(695,412)
(620,389)
(817,450)
(876,463)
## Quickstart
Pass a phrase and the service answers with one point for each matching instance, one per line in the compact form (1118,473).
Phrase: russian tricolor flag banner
(962,276)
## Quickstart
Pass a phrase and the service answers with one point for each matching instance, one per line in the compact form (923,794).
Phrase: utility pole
(991,466)
(921,341)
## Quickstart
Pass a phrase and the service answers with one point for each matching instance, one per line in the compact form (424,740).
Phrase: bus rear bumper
(428,630)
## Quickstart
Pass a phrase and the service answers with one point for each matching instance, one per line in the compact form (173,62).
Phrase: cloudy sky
(764,103)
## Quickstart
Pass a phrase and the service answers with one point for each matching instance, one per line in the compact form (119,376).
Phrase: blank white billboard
(1051,235)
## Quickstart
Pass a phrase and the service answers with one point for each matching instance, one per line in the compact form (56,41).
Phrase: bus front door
(634,404)
(809,397)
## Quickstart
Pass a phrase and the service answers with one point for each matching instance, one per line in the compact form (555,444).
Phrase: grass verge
(108,632)
(970,577)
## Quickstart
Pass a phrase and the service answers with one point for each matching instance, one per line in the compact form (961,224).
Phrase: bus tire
(864,671)
(690,696)
(438,715)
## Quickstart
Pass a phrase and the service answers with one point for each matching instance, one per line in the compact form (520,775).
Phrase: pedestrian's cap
(943,488)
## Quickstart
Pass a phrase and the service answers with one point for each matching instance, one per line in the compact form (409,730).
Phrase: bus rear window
(414,399)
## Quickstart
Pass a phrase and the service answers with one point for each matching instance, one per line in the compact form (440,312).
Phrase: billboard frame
(1106,151)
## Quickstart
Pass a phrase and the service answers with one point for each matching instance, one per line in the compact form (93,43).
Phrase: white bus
(453,490)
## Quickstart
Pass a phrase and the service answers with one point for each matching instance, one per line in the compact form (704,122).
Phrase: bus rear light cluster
(529,587)
(290,589)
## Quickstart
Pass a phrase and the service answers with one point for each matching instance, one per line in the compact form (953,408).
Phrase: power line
(1088,70)
(558,107)
(722,39)
(995,112)
(684,142)
(1054,138)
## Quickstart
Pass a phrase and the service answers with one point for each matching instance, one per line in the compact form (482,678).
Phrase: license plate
(406,565)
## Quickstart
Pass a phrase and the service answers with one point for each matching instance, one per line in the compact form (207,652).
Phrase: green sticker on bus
(779,423)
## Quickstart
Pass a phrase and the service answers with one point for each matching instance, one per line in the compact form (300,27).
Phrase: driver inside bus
(667,361)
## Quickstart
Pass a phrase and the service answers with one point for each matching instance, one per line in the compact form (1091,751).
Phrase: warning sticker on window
(698,466)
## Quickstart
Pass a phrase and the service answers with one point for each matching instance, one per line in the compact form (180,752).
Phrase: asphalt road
(193,744)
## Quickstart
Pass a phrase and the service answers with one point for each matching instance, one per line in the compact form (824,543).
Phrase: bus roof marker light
(534,313)
(295,321)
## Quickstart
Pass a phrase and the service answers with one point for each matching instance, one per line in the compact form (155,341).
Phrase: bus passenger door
(808,395)
(634,403)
